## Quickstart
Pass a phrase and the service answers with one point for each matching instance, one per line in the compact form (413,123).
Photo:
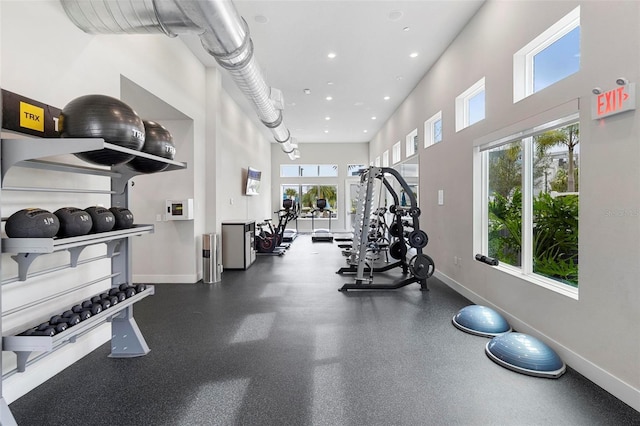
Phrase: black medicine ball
(102,218)
(32,223)
(100,116)
(158,141)
(73,222)
(123,217)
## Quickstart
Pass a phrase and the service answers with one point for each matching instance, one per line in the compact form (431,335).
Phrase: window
(529,186)
(433,130)
(411,144)
(307,194)
(397,154)
(377,163)
(549,58)
(309,170)
(385,159)
(470,106)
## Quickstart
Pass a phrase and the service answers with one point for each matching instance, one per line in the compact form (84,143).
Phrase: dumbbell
(57,323)
(106,303)
(84,313)
(128,290)
(112,299)
(117,293)
(68,317)
(43,329)
(95,308)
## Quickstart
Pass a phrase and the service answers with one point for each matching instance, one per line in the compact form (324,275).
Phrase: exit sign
(614,101)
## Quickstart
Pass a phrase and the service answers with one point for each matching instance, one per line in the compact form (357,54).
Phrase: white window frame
(430,129)
(377,162)
(481,208)
(411,143)
(385,159)
(397,152)
(523,78)
(462,104)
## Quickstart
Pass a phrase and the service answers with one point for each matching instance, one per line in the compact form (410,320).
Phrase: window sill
(547,283)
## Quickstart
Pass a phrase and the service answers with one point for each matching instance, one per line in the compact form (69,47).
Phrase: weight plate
(418,239)
(422,266)
(395,229)
(414,211)
(398,250)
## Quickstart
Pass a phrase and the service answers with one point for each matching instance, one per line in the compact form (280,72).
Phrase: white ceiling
(372,41)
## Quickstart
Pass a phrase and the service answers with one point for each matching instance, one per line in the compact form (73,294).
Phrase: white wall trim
(617,387)
(166,279)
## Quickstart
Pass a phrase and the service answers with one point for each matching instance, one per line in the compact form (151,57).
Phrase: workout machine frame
(358,262)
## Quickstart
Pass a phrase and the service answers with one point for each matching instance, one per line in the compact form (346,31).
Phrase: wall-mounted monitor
(253,181)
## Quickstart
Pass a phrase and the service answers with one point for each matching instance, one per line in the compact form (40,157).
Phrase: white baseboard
(617,387)
(166,279)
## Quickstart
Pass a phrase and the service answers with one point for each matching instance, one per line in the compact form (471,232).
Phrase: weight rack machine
(420,266)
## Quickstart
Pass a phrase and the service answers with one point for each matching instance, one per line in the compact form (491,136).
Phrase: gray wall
(596,334)
(341,154)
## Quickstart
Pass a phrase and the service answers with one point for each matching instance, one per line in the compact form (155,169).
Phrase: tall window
(433,130)
(470,106)
(530,192)
(549,58)
(397,153)
(306,195)
(385,159)
(411,143)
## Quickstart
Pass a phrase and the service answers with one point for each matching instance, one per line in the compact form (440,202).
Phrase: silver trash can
(211,265)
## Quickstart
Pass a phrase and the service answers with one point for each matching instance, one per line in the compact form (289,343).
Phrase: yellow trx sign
(31,117)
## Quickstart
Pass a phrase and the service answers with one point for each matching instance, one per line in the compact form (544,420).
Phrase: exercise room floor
(278,344)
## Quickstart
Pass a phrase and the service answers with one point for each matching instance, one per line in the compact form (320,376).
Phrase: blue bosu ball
(525,354)
(481,321)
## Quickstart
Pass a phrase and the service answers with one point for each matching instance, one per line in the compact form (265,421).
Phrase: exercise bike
(269,239)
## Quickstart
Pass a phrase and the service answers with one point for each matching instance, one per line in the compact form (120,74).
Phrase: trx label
(31,117)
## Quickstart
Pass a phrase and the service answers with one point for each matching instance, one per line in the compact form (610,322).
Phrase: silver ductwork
(222,31)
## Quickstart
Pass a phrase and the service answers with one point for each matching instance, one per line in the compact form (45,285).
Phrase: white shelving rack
(127,340)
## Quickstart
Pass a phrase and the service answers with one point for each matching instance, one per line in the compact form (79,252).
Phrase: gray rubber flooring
(279,345)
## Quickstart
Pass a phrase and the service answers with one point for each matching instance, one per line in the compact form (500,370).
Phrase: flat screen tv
(253,181)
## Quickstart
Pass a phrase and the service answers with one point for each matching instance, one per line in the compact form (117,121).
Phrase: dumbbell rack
(127,340)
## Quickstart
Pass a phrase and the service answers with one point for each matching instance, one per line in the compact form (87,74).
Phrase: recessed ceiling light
(386,98)
(326,131)
(365,131)
(330,83)
(406,29)
(307,91)
(331,55)
(329,98)
(327,118)
(413,55)
(261,19)
(373,118)
(399,77)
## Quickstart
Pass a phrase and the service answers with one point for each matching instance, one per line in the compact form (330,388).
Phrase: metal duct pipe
(223,33)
